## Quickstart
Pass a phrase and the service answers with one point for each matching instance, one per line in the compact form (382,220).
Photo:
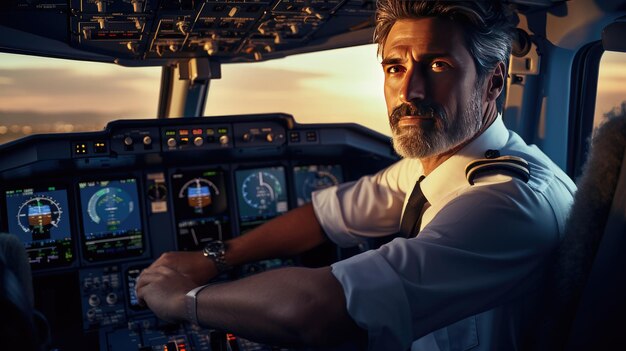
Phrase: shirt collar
(450,175)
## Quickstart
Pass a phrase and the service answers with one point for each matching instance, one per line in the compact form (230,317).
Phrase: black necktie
(412,217)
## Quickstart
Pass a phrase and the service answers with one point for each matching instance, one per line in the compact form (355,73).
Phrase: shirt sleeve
(369,207)
(482,249)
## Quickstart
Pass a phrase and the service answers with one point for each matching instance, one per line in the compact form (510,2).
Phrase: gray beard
(418,142)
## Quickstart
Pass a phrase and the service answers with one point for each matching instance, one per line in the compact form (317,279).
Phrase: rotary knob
(94,300)
(198,141)
(111,298)
(147,140)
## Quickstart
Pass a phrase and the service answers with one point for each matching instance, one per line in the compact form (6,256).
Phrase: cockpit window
(611,96)
(44,95)
(343,85)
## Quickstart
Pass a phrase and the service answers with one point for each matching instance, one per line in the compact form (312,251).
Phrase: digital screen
(40,218)
(200,208)
(315,177)
(111,219)
(261,194)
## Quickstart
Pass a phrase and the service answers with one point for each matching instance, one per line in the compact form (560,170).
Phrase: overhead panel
(224,30)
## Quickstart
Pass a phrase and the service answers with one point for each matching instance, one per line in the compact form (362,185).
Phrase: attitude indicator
(38,215)
(199,193)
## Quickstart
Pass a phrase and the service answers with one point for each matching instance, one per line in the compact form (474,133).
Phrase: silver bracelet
(191,302)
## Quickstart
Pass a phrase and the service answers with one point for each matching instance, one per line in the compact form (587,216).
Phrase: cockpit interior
(92,209)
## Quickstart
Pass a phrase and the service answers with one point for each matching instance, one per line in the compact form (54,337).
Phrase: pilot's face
(433,100)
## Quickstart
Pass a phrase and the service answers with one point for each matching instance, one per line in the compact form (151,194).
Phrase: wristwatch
(215,250)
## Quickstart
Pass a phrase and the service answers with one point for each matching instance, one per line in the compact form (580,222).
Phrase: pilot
(479,212)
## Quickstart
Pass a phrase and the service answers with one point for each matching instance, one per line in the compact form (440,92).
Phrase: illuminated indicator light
(231,337)
(183,132)
(197,132)
(81,148)
(210,132)
(170,133)
(222,130)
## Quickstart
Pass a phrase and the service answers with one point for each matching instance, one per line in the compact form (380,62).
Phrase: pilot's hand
(193,265)
(163,290)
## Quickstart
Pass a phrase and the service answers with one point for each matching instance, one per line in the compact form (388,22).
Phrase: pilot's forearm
(284,306)
(287,235)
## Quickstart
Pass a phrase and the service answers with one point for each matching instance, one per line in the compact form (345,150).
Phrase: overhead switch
(132,46)
(137,5)
(101,5)
(210,47)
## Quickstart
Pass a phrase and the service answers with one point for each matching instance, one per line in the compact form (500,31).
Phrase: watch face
(214,248)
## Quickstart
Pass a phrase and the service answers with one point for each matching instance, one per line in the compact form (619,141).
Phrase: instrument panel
(94,209)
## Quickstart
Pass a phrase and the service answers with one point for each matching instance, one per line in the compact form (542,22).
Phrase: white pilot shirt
(480,248)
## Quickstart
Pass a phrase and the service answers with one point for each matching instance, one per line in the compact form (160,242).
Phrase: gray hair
(488,28)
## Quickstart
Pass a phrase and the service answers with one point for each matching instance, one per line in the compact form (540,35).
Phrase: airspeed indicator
(261,189)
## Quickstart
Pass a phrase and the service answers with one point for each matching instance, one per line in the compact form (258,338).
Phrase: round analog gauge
(113,205)
(199,193)
(261,189)
(317,181)
(38,215)
(157,192)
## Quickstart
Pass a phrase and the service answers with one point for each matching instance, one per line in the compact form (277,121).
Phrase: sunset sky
(343,85)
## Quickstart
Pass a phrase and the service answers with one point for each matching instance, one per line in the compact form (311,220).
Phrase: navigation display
(315,177)
(40,218)
(111,219)
(261,194)
(200,207)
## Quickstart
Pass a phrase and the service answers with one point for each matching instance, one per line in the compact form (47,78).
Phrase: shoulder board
(512,165)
